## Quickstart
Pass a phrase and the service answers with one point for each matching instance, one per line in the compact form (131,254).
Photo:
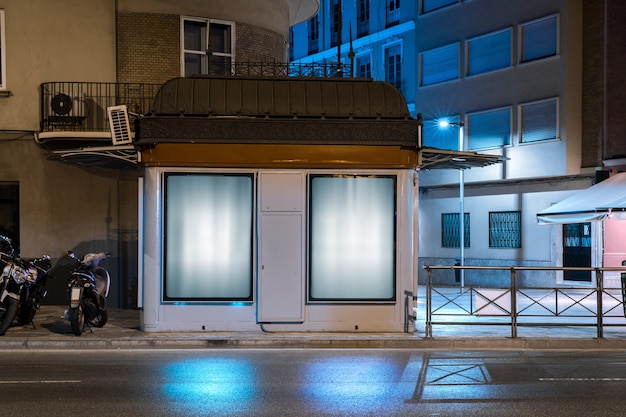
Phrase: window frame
(448,3)
(468,52)
(521,120)
(368,61)
(312,218)
(396,81)
(207,22)
(170,299)
(3,64)
(521,36)
(468,125)
(457,62)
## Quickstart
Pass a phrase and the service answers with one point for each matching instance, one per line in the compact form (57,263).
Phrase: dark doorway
(577,250)
(10,211)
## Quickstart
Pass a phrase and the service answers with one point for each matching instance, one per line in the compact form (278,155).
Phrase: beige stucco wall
(72,40)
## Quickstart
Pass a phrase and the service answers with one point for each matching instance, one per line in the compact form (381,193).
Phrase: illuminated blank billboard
(208,237)
(352,238)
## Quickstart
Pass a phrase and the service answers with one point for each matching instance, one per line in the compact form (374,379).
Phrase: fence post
(428,325)
(513,303)
(599,296)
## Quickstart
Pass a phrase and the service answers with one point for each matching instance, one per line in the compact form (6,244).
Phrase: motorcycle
(88,288)
(22,286)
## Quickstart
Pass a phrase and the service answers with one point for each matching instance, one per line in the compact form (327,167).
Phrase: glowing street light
(444,124)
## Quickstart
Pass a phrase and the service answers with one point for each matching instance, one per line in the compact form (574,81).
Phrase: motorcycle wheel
(101,319)
(77,320)
(8,314)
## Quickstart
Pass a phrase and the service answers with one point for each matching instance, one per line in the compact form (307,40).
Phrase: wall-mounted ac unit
(67,110)
(119,125)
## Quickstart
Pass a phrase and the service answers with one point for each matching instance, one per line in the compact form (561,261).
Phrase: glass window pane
(195,36)
(489,53)
(220,38)
(539,39)
(208,237)
(195,64)
(489,129)
(439,65)
(450,230)
(352,235)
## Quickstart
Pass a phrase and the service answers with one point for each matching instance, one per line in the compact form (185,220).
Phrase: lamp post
(444,123)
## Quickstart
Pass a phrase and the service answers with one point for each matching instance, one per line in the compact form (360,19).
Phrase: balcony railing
(82,106)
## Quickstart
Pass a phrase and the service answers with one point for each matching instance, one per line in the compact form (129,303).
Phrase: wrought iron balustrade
(82,106)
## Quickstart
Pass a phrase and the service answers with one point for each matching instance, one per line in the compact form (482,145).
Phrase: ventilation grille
(119,124)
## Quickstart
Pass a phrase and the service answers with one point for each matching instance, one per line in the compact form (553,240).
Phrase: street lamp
(443,124)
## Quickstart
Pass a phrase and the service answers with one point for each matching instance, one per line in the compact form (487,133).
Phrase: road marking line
(41,381)
(582,379)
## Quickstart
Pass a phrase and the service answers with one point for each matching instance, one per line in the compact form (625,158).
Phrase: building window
(393,58)
(364,66)
(314,34)
(489,129)
(335,27)
(539,39)
(539,121)
(450,230)
(208,232)
(393,12)
(363,18)
(208,46)
(3,80)
(439,65)
(489,52)
(352,238)
(505,229)
(432,5)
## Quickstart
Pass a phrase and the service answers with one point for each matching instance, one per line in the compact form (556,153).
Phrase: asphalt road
(308,382)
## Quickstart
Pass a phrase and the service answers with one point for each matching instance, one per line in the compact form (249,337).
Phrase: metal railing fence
(596,305)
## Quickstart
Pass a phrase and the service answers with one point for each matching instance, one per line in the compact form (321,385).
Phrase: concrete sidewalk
(51,331)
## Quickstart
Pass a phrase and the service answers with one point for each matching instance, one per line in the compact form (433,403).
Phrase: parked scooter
(88,288)
(22,286)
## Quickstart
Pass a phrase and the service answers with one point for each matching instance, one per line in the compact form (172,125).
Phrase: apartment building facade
(535,81)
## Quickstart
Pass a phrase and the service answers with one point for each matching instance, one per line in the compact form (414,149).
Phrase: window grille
(450,230)
(505,229)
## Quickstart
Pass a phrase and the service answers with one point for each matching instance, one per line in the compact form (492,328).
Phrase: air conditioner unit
(67,110)
(119,125)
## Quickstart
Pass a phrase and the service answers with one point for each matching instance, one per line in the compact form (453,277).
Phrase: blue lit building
(526,79)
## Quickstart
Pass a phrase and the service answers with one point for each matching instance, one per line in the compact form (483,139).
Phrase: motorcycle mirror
(71,254)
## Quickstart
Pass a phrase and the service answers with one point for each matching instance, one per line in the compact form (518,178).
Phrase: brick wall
(593,83)
(148,46)
(616,80)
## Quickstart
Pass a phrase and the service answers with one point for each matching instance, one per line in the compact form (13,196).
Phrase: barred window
(505,229)
(450,230)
